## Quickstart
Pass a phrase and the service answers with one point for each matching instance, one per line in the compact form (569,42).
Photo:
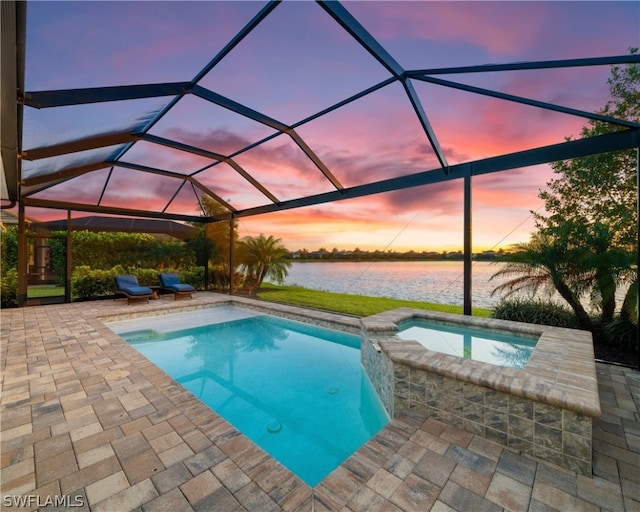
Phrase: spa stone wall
(544,431)
(380,371)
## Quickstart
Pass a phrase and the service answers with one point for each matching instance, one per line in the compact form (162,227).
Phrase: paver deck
(87,423)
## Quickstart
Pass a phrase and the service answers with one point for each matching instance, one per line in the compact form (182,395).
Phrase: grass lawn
(38,291)
(358,305)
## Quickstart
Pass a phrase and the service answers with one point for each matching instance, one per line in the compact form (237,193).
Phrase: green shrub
(87,283)
(193,276)
(9,288)
(146,276)
(149,276)
(535,312)
(8,248)
(621,333)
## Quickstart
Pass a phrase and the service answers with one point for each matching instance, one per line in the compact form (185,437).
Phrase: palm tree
(544,264)
(260,257)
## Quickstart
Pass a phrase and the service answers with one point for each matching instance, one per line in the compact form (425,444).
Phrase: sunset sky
(300,61)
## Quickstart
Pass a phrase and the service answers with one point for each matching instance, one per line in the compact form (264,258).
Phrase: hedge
(87,283)
(535,312)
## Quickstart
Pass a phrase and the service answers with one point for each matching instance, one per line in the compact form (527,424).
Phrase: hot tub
(544,409)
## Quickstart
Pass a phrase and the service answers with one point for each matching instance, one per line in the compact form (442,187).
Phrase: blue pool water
(471,343)
(296,390)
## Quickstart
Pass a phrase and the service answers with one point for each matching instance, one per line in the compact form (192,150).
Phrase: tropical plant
(545,264)
(260,257)
(535,311)
(9,288)
(585,246)
(211,242)
(8,248)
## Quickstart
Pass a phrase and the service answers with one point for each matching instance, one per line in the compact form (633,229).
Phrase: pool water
(296,390)
(470,343)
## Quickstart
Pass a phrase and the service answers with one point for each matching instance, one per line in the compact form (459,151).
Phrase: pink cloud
(471,22)
(133,42)
(482,127)
(539,30)
(83,189)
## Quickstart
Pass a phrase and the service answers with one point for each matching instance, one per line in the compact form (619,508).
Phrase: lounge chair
(129,287)
(171,283)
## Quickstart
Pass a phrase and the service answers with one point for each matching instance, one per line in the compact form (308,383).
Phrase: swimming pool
(488,346)
(296,390)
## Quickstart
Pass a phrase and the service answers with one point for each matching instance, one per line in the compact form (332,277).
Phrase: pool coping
(318,317)
(561,371)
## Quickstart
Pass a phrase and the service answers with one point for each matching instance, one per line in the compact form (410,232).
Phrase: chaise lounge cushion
(172,282)
(129,286)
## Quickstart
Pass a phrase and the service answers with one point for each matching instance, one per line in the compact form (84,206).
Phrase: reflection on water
(428,281)
(471,343)
(295,389)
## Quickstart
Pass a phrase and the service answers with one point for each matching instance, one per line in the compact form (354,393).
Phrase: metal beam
(424,121)
(214,156)
(175,194)
(49,180)
(79,207)
(231,244)
(67,97)
(360,34)
(12,52)
(232,44)
(268,121)
(31,185)
(237,39)
(545,64)
(105,185)
(616,141)
(238,108)
(170,174)
(346,101)
(468,247)
(68,259)
(23,255)
(315,159)
(527,101)
(169,143)
(95,142)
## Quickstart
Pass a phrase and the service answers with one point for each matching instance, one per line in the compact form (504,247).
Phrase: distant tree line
(358,254)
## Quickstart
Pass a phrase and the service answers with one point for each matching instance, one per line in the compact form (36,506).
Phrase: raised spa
(543,408)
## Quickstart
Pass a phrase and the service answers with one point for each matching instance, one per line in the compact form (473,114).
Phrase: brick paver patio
(87,423)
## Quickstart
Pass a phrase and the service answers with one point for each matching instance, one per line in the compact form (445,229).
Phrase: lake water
(428,281)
